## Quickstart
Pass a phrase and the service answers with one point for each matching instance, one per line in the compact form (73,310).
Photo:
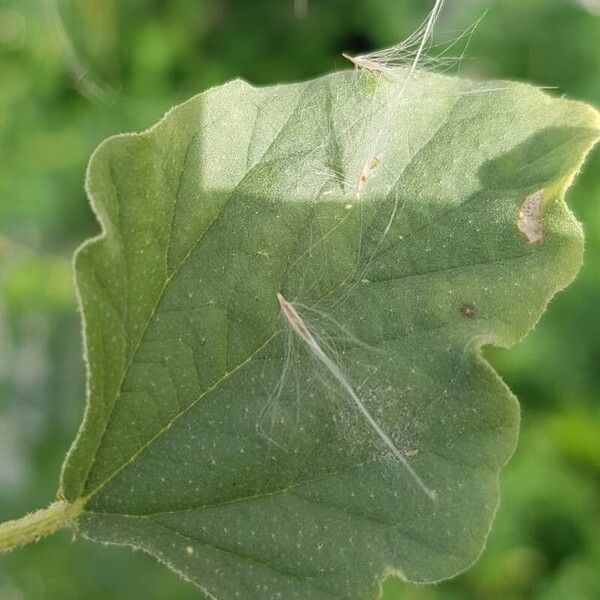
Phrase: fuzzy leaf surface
(212,438)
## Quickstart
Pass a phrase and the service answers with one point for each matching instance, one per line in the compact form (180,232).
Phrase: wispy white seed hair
(378,62)
(299,327)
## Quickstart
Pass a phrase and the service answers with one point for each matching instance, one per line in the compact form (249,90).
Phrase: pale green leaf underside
(188,451)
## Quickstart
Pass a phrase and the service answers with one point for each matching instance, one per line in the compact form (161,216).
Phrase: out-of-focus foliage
(107,66)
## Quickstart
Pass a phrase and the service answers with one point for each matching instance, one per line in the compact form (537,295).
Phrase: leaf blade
(185,343)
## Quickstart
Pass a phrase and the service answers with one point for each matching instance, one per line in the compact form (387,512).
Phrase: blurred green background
(76,71)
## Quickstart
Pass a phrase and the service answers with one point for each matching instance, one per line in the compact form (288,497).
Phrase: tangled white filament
(382,64)
(373,62)
(297,324)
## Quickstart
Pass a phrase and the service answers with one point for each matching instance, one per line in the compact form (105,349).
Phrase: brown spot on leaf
(467,310)
(529,221)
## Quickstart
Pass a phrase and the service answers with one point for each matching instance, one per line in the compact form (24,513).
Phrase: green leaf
(213,437)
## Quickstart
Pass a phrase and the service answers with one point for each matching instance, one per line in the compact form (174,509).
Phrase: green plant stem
(38,524)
